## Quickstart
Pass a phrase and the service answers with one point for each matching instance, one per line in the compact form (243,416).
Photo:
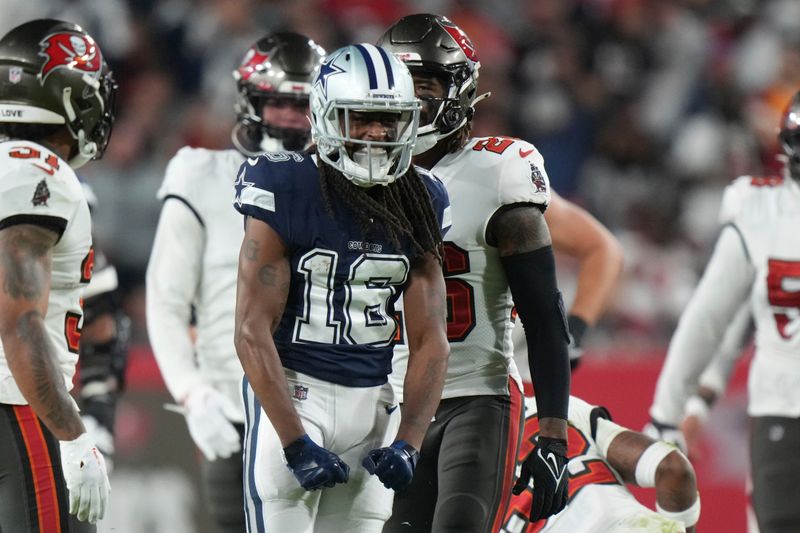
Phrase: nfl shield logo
(15,74)
(300,392)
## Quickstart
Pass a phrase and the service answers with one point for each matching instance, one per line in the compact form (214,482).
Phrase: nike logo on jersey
(391,409)
(525,153)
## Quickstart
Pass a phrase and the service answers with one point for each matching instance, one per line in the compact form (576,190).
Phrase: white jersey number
(373,279)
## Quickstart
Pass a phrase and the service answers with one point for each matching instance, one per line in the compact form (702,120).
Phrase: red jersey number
(779,295)
(496,145)
(594,472)
(72,331)
(460,294)
(45,162)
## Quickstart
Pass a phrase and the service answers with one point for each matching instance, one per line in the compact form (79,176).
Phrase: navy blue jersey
(339,323)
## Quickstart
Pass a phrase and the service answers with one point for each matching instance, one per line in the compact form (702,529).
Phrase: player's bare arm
(675,483)
(25,266)
(261,293)
(428,349)
(516,230)
(578,234)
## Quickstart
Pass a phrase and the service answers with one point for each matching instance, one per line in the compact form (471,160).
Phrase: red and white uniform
(598,499)
(38,187)
(756,262)
(485,175)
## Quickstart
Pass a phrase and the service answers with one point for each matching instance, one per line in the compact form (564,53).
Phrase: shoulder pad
(742,191)
(518,168)
(273,181)
(183,171)
(439,198)
(35,182)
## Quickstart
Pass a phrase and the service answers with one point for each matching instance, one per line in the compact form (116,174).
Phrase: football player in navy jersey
(331,241)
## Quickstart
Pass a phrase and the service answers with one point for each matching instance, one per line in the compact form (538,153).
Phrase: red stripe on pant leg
(515,421)
(42,470)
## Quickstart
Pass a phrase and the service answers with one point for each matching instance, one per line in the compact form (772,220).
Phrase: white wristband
(687,517)
(697,407)
(648,463)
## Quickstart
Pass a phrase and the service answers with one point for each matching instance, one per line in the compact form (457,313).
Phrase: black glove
(314,466)
(577,328)
(394,465)
(547,465)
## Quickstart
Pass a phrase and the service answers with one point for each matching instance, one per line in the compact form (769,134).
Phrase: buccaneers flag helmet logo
(461,39)
(69,50)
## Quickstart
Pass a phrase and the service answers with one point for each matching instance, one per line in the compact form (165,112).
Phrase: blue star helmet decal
(240,184)
(326,70)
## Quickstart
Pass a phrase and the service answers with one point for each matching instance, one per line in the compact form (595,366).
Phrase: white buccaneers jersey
(488,173)
(598,499)
(756,261)
(37,187)
(766,211)
(194,264)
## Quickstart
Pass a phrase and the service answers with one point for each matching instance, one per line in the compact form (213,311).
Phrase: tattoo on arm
(50,390)
(25,248)
(26,262)
(272,276)
(251,249)
(518,229)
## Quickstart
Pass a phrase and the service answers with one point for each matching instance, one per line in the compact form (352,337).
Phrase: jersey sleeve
(719,370)
(265,191)
(180,179)
(31,195)
(173,275)
(523,178)
(439,199)
(734,198)
(722,292)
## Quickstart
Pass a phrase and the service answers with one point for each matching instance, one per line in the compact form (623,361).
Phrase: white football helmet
(363,78)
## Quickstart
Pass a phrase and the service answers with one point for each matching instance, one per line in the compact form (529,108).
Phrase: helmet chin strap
(86,149)
(428,136)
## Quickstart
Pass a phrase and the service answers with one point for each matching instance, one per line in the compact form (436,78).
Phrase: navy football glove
(394,465)
(547,465)
(314,466)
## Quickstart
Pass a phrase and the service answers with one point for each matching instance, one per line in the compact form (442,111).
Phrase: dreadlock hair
(456,141)
(403,207)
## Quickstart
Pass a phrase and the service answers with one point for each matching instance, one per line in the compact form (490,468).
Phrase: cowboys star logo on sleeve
(69,50)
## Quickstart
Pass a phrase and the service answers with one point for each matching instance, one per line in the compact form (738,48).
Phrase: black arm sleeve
(532,280)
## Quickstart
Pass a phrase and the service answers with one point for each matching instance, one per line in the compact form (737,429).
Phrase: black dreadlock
(404,208)
(456,141)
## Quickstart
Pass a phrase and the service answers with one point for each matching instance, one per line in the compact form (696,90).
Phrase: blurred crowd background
(644,111)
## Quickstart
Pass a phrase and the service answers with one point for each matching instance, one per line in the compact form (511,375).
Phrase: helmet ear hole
(451,116)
